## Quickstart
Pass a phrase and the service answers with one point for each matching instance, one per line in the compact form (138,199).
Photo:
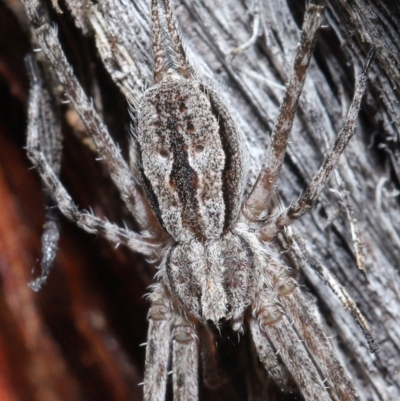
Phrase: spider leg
(162,60)
(272,326)
(317,184)
(43,118)
(316,341)
(260,196)
(296,308)
(354,227)
(300,248)
(158,347)
(64,202)
(184,361)
(119,171)
(268,356)
(169,331)
(184,68)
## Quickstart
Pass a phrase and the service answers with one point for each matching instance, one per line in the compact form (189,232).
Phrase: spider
(207,232)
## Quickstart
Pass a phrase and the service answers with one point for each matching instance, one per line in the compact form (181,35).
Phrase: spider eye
(163,153)
(199,148)
(190,127)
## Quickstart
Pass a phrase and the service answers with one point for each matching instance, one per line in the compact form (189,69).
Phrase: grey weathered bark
(370,174)
(253,81)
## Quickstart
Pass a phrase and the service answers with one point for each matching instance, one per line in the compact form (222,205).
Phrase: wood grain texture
(79,338)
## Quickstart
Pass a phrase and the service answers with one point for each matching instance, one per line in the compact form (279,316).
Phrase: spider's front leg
(317,184)
(257,202)
(85,220)
(108,150)
(42,146)
(170,332)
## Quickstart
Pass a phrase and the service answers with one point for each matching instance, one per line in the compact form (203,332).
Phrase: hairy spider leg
(110,153)
(260,196)
(286,344)
(185,360)
(291,305)
(300,249)
(162,60)
(269,357)
(82,219)
(158,346)
(308,199)
(169,331)
(44,118)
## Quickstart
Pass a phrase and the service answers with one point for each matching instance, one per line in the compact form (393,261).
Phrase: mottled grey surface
(253,82)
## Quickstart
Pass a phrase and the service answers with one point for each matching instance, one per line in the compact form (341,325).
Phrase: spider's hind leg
(184,361)
(169,332)
(272,328)
(157,347)
(269,357)
(306,328)
(42,117)
(316,342)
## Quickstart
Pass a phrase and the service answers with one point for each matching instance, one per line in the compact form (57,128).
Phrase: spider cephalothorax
(209,238)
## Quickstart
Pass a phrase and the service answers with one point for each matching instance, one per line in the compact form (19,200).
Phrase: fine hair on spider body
(209,235)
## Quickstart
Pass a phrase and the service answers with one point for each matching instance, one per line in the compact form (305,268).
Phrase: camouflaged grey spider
(210,240)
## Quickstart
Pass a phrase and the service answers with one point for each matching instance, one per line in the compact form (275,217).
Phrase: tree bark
(78,339)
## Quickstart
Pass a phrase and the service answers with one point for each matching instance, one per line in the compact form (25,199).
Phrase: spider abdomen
(212,280)
(189,159)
